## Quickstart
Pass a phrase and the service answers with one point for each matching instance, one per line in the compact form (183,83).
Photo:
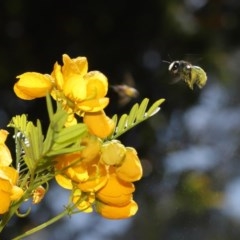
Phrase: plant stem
(49,106)
(8,215)
(43,225)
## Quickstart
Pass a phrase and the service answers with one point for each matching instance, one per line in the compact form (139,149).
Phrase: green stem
(43,225)
(7,216)
(49,106)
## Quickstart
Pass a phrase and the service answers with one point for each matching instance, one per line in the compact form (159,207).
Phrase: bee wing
(175,80)
(128,79)
(124,101)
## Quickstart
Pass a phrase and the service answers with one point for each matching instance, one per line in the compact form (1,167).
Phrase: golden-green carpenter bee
(189,73)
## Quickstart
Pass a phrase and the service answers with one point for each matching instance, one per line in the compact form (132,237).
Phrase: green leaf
(19,122)
(122,123)
(48,140)
(59,119)
(69,134)
(60,137)
(133,114)
(155,107)
(32,144)
(136,115)
(63,151)
(115,118)
(142,109)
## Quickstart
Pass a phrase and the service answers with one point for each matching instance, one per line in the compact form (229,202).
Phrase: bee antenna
(166,61)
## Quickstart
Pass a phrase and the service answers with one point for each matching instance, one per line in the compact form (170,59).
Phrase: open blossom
(83,93)
(79,92)
(99,178)
(78,89)
(9,191)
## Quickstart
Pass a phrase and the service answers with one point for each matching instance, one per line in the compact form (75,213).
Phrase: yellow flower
(116,212)
(99,124)
(98,177)
(8,189)
(79,91)
(70,168)
(5,155)
(64,181)
(89,176)
(131,169)
(33,85)
(8,176)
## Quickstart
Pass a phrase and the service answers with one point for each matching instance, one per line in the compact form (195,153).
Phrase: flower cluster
(102,173)
(77,90)
(80,148)
(9,191)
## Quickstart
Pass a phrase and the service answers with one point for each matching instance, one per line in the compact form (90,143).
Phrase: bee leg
(190,84)
(190,81)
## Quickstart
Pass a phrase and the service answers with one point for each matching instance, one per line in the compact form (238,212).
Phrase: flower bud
(113,153)
(33,85)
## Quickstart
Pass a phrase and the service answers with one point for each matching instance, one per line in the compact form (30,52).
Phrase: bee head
(174,67)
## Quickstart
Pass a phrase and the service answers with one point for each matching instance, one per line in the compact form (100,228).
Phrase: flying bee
(126,91)
(189,73)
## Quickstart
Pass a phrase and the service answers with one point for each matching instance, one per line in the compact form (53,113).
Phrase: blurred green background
(190,151)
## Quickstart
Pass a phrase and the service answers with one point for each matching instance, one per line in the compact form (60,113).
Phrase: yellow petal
(5,184)
(57,76)
(71,66)
(92,146)
(32,85)
(112,153)
(64,182)
(97,84)
(116,192)
(64,160)
(17,193)
(113,212)
(75,88)
(93,105)
(83,201)
(10,173)
(3,136)
(98,178)
(78,173)
(71,120)
(131,169)
(5,155)
(72,168)
(83,206)
(99,124)
(4,202)
(8,179)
